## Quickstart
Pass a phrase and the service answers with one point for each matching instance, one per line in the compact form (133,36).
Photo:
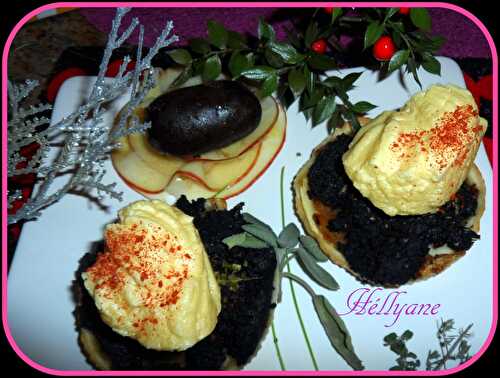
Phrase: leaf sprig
(295,72)
(288,245)
(453,347)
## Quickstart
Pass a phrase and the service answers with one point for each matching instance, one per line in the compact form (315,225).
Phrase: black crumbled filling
(246,281)
(383,249)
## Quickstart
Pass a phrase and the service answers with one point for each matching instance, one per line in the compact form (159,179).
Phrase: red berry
(404,11)
(319,46)
(60,78)
(328,10)
(114,67)
(384,48)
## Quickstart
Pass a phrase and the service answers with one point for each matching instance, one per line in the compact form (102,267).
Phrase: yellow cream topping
(411,161)
(154,281)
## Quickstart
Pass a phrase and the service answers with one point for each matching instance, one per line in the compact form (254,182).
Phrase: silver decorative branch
(86,140)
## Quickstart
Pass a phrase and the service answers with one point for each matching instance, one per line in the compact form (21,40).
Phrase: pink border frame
(37,366)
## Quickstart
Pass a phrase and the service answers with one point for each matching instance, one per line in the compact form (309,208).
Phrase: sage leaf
(289,236)
(431,64)
(286,52)
(336,331)
(238,63)
(373,32)
(323,109)
(258,73)
(316,272)
(398,59)
(321,62)
(269,85)
(199,45)
(265,31)
(311,33)
(263,233)
(235,40)
(217,34)
(249,218)
(244,240)
(212,68)
(311,246)
(420,18)
(180,56)
(297,81)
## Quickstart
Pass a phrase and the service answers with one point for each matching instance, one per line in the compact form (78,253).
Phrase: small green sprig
(288,245)
(295,72)
(453,347)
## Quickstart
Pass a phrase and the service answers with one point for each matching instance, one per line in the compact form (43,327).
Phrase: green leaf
(407,335)
(321,62)
(235,40)
(362,107)
(411,66)
(263,233)
(286,52)
(316,272)
(349,79)
(273,59)
(309,80)
(244,240)
(337,12)
(265,31)
(436,42)
(323,109)
(336,331)
(334,82)
(311,246)
(180,56)
(431,64)
(398,59)
(238,63)
(289,236)
(258,73)
(311,33)
(335,121)
(310,100)
(420,18)
(396,37)
(249,218)
(297,81)
(293,38)
(217,34)
(373,32)
(185,75)
(199,45)
(212,68)
(398,26)
(390,338)
(269,85)
(390,12)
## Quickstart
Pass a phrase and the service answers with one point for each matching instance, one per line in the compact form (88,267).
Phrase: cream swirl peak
(154,282)
(413,160)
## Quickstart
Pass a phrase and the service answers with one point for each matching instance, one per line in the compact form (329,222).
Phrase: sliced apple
(271,146)
(217,174)
(195,187)
(190,187)
(136,173)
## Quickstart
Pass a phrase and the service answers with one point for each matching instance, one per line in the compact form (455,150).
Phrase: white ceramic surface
(40,304)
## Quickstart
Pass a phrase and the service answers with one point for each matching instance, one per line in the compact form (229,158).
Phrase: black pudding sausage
(202,118)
